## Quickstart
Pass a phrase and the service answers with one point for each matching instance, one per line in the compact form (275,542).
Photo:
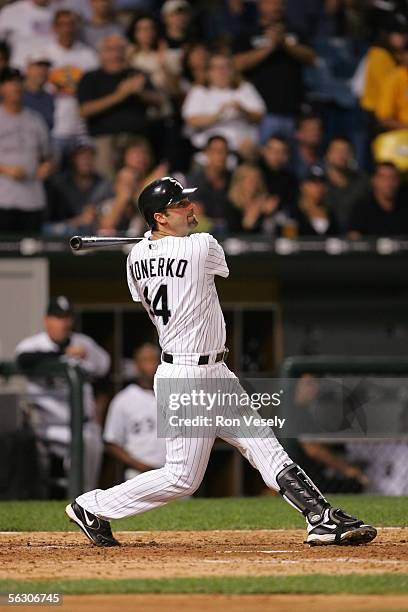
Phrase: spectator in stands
(384,212)
(381,59)
(103,23)
(52,412)
(70,59)
(150,54)
(251,208)
(130,431)
(36,95)
(25,154)
(225,20)
(138,157)
(272,58)
(312,214)
(212,181)
(346,185)
(82,8)
(114,100)
(119,213)
(195,65)
(26,24)
(177,29)
(227,106)
(307,151)
(392,109)
(380,12)
(74,193)
(279,180)
(306,17)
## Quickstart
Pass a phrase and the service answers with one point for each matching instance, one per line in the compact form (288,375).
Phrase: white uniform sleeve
(115,425)
(97,360)
(28,345)
(215,263)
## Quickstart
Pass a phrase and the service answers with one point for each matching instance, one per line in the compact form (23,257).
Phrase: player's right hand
(76,351)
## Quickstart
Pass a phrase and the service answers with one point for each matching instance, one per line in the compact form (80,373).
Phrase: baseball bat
(85,243)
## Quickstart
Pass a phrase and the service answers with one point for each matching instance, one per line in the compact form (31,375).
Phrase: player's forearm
(96,363)
(124,457)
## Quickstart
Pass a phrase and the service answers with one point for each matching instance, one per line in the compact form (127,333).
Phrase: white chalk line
(267,552)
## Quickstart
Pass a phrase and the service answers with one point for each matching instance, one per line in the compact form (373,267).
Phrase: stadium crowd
(291,117)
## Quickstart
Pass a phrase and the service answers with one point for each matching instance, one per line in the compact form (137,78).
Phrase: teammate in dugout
(190,324)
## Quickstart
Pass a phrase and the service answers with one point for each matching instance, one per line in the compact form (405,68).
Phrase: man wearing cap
(51,410)
(24,158)
(35,95)
(176,15)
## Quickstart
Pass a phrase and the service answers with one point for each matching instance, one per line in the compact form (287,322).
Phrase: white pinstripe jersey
(174,279)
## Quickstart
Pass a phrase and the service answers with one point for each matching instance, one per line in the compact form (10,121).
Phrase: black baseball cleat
(96,529)
(338,527)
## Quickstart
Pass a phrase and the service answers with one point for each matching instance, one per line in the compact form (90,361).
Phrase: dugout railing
(75,377)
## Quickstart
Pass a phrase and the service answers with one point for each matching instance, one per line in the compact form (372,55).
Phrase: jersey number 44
(158,305)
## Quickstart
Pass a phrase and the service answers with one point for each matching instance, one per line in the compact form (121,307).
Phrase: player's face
(146,361)
(180,218)
(59,328)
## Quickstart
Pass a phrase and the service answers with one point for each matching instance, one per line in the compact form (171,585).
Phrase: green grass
(304,584)
(205,514)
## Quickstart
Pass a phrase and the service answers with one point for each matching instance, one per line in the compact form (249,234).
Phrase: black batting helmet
(159,194)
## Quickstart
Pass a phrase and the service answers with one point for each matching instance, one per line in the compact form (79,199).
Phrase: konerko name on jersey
(173,278)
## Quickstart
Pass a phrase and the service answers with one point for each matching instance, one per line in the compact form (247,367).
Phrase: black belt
(202,360)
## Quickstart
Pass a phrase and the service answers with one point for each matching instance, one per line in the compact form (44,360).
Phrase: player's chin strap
(300,492)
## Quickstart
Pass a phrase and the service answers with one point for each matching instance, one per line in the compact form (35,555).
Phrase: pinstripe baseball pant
(187,457)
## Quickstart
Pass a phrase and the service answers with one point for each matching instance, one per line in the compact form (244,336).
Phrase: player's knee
(183,484)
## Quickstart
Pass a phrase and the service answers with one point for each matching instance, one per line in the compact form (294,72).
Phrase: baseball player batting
(172,273)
